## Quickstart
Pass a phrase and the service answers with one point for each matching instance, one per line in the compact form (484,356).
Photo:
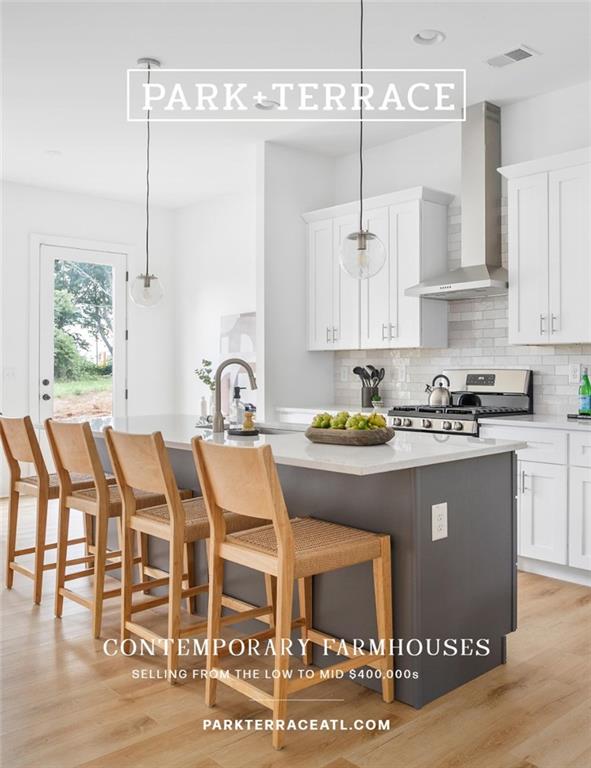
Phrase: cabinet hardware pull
(384,326)
(523,476)
(335,334)
(327,335)
(393,334)
(554,319)
(542,321)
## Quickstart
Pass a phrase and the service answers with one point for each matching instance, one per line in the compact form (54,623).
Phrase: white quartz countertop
(543,421)
(406,451)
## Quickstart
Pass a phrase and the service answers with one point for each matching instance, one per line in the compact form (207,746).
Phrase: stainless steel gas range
(476,393)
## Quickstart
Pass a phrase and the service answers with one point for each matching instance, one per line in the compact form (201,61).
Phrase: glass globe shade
(362,255)
(146,290)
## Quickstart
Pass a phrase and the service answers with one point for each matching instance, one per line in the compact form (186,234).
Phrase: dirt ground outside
(91,398)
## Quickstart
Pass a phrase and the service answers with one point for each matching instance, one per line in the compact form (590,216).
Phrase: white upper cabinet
(549,234)
(345,290)
(320,284)
(569,244)
(376,313)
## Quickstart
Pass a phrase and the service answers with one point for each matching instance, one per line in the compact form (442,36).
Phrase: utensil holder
(366,395)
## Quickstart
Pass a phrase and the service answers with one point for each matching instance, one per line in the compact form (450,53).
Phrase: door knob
(46,397)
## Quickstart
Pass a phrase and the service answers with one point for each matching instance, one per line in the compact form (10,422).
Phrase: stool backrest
(141,462)
(20,443)
(244,481)
(74,451)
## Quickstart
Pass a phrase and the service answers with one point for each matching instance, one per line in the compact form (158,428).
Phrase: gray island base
(460,589)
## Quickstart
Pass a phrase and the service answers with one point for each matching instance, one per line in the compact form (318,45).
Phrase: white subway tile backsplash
(477,338)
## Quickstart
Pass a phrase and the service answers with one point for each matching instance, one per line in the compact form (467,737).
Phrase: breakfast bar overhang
(454,598)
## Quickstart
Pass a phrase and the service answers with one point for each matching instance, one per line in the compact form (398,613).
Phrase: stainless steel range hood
(480,273)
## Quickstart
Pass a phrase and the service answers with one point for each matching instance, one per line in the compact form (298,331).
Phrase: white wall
(32,210)
(216,275)
(544,125)
(290,182)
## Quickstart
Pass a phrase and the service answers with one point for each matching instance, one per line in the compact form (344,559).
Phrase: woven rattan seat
(318,546)
(79,482)
(196,520)
(87,498)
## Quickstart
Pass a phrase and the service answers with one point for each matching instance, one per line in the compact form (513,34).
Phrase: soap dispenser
(237,407)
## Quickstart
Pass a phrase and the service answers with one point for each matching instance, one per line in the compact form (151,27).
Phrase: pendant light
(146,290)
(362,253)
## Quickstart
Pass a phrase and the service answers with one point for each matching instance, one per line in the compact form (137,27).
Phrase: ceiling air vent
(517,54)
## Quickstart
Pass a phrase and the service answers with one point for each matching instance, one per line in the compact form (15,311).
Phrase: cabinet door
(346,290)
(579,518)
(528,259)
(569,255)
(320,285)
(542,511)
(405,270)
(376,328)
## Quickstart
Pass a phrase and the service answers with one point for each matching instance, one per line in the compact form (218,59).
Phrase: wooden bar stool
(20,444)
(74,451)
(141,461)
(245,481)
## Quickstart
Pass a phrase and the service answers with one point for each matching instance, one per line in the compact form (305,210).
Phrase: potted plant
(376,400)
(204,374)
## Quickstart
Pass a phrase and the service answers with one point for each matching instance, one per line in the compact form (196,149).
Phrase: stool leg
(126,579)
(214,612)
(271,593)
(282,633)
(382,583)
(87,519)
(143,550)
(62,554)
(42,502)
(175,588)
(100,553)
(189,568)
(305,601)
(11,544)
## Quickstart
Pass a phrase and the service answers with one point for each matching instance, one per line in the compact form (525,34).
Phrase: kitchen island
(454,597)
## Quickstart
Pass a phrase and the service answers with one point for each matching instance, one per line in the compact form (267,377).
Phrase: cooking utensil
(381,375)
(439,395)
(362,373)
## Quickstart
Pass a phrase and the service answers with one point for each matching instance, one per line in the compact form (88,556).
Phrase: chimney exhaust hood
(480,273)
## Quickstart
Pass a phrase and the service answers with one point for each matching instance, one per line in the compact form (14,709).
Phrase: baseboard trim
(555,571)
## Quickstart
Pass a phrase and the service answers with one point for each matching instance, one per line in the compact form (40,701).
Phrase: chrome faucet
(218,417)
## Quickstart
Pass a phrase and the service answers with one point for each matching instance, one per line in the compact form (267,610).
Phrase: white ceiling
(64,78)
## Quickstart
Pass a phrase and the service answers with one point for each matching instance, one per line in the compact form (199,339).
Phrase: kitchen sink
(262,430)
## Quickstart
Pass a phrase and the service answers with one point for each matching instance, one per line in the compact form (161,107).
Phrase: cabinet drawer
(580,449)
(543,445)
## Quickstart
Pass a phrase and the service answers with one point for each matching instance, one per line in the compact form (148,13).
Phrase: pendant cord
(361,82)
(148,187)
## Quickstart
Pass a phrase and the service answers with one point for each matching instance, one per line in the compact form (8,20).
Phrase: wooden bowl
(350,436)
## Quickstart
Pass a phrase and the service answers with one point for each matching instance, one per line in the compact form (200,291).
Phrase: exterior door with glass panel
(82,333)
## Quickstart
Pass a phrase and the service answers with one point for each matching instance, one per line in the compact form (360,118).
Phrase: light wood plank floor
(65,704)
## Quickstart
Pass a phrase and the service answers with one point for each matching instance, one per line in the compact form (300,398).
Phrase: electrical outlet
(344,374)
(574,373)
(439,521)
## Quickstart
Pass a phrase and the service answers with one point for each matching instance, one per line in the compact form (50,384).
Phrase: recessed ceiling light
(266,104)
(429,37)
(53,153)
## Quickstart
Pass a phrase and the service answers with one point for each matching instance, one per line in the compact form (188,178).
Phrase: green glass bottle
(585,394)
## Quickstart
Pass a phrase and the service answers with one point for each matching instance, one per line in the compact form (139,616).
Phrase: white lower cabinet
(553,496)
(579,518)
(542,511)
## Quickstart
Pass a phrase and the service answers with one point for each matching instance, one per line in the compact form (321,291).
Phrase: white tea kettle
(439,395)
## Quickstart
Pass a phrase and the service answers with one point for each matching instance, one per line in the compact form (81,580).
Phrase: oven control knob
(407,423)
(426,424)
(397,422)
(446,425)
(458,426)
